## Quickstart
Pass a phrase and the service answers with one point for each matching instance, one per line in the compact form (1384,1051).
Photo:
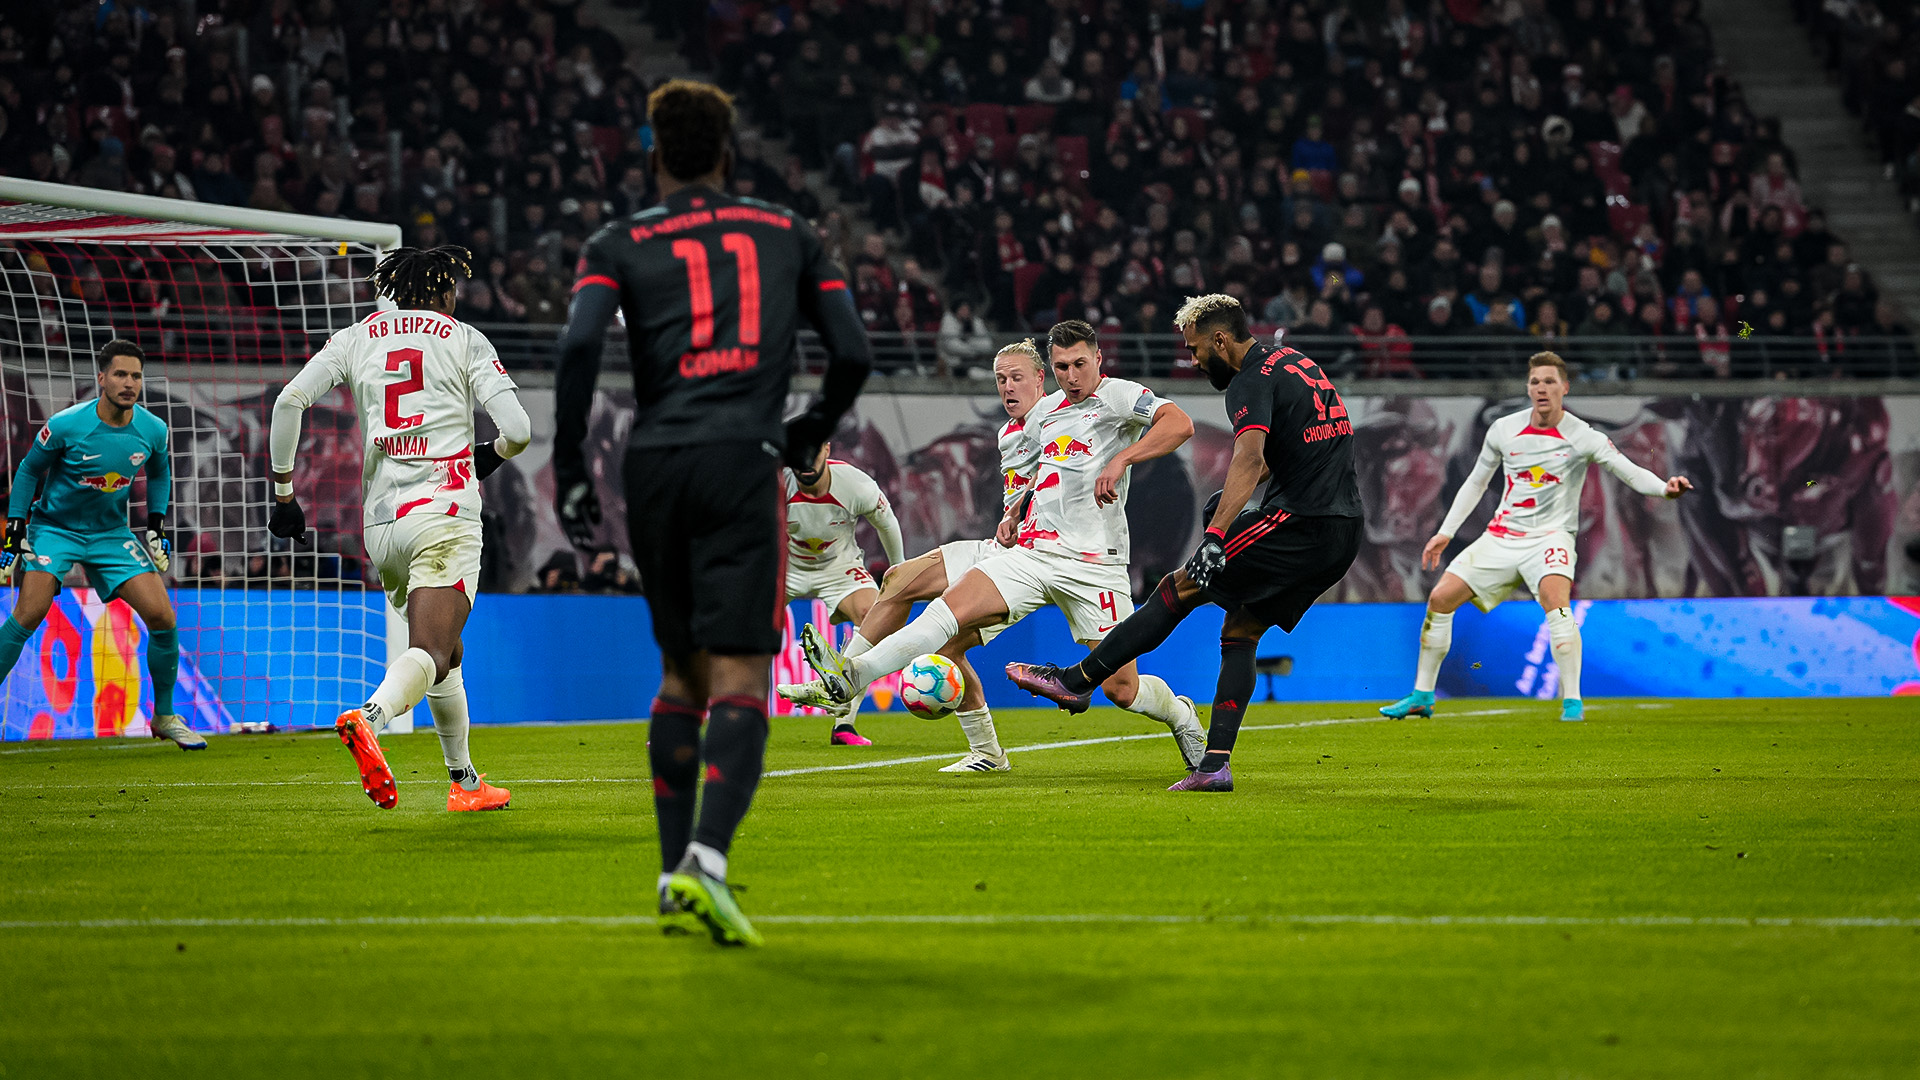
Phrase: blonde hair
(1213,307)
(1024,347)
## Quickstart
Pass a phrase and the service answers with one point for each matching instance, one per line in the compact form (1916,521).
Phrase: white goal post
(227,303)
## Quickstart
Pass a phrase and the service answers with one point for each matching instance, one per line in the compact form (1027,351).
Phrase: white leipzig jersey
(1075,443)
(1019,456)
(820,527)
(415,378)
(1545,468)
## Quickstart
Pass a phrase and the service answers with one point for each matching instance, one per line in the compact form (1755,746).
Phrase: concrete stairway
(1769,54)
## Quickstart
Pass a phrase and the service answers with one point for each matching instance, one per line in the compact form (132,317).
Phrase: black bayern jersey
(715,289)
(1309,435)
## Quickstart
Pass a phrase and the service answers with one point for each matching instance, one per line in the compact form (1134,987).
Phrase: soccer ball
(931,686)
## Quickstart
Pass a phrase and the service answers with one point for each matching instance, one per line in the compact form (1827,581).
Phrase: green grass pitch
(1674,889)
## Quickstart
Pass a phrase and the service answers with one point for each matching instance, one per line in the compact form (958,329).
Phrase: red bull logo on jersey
(1066,446)
(816,545)
(110,483)
(1535,476)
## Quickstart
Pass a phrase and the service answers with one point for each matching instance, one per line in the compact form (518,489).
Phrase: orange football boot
(484,797)
(374,774)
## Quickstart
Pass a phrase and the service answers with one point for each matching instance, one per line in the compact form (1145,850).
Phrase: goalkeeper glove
(12,546)
(579,510)
(1208,561)
(288,521)
(158,544)
(485,460)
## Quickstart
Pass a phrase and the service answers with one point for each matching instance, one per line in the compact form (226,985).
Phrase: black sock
(673,748)
(736,751)
(1138,634)
(1230,694)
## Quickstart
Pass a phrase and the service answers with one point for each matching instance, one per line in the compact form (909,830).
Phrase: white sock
(448,700)
(935,627)
(977,725)
(1154,699)
(665,876)
(405,684)
(711,862)
(855,646)
(1565,635)
(1436,637)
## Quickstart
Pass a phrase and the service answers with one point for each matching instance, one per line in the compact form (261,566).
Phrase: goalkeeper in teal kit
(69,508)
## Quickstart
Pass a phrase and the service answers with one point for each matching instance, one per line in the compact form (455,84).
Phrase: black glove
(1206,562)
(485,460)
(288,521)
(579,510)
(805,433)
(13,545)
(159,545)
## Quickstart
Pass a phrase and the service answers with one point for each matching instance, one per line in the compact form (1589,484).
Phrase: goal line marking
(1091,919)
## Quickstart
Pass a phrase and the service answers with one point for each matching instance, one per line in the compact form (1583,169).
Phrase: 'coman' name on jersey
(1076,442)
(415,377)
(1545,467)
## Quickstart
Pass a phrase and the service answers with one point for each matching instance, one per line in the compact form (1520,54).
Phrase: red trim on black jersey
(1262,428)
(595,279)
(833,286)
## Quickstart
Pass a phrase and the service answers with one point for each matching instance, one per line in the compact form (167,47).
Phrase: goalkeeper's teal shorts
(111,558)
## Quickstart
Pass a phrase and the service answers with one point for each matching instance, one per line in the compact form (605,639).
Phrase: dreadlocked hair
(416,279)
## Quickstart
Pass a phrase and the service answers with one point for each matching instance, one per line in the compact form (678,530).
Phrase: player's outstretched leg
(1150,696)
(1436,638)
(1238,676)
(147,595)
(467,788)
(1140,633)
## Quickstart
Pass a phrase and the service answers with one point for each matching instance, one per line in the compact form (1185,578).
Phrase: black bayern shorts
(1278,564)
(709,532)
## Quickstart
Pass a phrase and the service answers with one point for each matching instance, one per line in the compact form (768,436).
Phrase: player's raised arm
(1168,428)
(1643,481)
(827,305)
(326,370)
(1464,501)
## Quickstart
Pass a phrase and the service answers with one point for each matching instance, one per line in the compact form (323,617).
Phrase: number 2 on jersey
(746,258)
(415,378)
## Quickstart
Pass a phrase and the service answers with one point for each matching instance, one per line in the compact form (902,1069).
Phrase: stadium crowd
(1537,169)
(514,129)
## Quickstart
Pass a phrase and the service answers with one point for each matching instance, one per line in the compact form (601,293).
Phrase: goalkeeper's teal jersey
(79,473)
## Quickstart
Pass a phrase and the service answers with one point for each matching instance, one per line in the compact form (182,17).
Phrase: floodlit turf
(1600,879)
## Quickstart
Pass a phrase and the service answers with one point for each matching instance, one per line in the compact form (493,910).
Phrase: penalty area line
(1823,922)
(1069,743)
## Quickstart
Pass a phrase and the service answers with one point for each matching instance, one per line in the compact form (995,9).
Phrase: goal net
(227,303)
